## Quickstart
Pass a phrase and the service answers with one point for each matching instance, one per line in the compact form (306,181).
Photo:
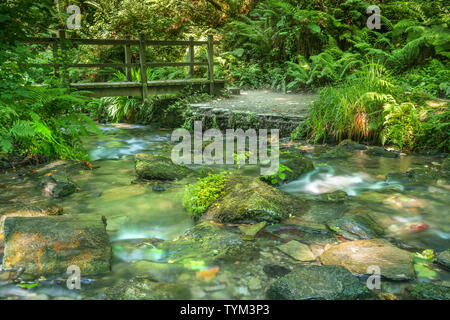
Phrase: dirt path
(265,102)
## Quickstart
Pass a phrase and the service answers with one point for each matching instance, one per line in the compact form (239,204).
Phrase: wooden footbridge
(129,87)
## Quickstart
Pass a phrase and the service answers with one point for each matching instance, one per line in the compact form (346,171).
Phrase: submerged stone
(143,289)
(381,152)
(49,245)
(208,243)
(317,282)
(58,186)
(300,233)
(251,200)
(275,271)
(424,174)
(351,145)
(402,177)
(357,256)
(253,229)
(357,226)
(155,167)
(297,250)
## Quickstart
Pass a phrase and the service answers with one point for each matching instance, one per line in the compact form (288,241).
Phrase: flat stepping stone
(297,250)
(253,229)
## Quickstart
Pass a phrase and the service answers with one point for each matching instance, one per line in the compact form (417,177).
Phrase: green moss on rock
(247,199)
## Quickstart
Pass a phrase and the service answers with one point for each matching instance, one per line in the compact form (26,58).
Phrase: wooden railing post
(142,59)
(211,64)
(127,48)
(63,55)
(191,57)
(55,56)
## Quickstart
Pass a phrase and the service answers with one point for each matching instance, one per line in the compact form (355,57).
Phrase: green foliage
(38,120)
(370,107)
(279,176)
(199,196)
(353,110)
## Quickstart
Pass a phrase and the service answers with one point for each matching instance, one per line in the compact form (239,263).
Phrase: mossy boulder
(155,167)
(357,256)
(49,245)
(317,282)
(247,199)
(357,226)
(428,291)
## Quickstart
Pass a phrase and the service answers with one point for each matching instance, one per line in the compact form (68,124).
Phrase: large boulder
(317,282)
(357,256)
(250,200)
(50,210)
(49,245)
(156,167)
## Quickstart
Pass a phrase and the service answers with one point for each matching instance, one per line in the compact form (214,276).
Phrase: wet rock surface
(297,250)
(381,152)
(263,202)
(298,165)
(357,256)
(49,245)
(357,226)
(430,291)
(211,243)
(155,167)
(317,282)
(444,258)
(143,289)
(58,186)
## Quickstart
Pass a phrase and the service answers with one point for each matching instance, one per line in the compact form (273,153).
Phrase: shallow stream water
(135,213)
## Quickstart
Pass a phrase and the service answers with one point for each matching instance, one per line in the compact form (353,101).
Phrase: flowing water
(135,212)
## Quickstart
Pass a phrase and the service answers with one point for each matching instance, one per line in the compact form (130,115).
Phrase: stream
(136,213)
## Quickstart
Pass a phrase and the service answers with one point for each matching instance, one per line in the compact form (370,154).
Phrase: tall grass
(353,110)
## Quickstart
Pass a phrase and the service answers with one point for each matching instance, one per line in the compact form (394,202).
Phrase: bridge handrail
(62,41)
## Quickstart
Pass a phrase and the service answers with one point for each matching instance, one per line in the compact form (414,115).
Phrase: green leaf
(27,285)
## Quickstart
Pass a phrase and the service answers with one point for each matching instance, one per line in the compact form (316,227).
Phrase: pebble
(242,291)
(254,284)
